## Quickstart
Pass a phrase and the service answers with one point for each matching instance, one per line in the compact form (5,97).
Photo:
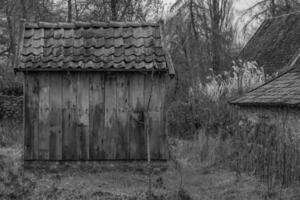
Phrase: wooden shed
(87,88)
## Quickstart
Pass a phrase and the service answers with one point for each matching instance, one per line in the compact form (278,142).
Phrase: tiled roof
(283,90)
(275,43)
(93,46)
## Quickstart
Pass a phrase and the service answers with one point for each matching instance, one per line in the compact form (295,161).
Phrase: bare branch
(4,51)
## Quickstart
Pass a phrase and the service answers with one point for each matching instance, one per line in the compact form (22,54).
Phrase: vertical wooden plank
(157,115)
(154,112)
(163,126)
(110,117)
(83,116)
(96,119)
(122,139)
(136,124)
(69,116)
(44,116)
(28,129)
(33,81)
(55,116)
(31,113)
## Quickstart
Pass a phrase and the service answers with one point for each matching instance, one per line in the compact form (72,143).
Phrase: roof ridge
(232,101)
(79,24)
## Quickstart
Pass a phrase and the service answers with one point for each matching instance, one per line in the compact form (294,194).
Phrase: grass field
(114,181)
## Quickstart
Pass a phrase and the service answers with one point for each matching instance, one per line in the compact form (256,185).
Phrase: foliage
(244,78)
(206,105)
(12,89)
(202,32)
(135,10)
(10,133)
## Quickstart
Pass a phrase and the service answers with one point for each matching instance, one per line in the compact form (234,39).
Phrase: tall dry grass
(266,150)
(227,85)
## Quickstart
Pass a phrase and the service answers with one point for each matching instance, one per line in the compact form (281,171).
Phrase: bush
(11,108)
(12,89)
(206,106)
(10,133)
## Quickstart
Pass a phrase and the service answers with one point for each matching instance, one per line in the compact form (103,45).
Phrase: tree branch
(4,51)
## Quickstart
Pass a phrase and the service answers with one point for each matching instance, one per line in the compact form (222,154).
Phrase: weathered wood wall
(93,115)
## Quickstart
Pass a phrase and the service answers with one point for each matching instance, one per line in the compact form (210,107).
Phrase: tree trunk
(69,10)
(273,8)
(12,43)
(24,9)
(215,42)
(193,20)
(31,9)
(113,7)
(76,11)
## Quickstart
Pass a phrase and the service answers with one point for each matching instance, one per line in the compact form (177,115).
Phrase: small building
(279,51)
(88,87)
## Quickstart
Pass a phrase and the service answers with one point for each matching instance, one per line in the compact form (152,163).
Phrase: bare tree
(123,10)
(113,7)
(69,10)
(210,22)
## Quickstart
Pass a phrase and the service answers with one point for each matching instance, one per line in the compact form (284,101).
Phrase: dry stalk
(146,127)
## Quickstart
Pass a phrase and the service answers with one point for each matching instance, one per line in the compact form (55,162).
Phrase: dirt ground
(119,181)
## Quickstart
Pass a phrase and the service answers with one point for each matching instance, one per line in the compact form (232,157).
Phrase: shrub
(206,107)
(10,133)
(11,107)
(218,87)
(12,89)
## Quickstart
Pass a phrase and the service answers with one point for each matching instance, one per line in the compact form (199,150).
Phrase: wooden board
(136,108)
(96,118)
(28,145)
(122,135)
(163,121)
(34,110)
(156,114)
(83,116)
(31,111)
(110,125)
(44,107)
(55,116)
(152,90)
(69,116)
